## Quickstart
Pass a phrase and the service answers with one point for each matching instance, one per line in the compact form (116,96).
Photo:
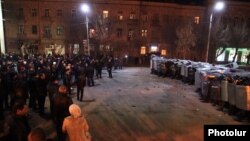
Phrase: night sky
(195,2)
(191,2)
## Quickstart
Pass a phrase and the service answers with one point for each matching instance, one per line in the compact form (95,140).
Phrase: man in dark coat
(42,92)
(52,89)
(98,68)
(80,83)
(61,110)
(18,123)
(90,74)
(109,67)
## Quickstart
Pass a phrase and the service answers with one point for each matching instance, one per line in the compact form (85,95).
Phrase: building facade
(116,27)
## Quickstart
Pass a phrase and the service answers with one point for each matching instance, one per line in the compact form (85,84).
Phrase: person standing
(75,125)
(61,104)
(109,67)
(68,79)
(18,125)
(90,71)
(42,92)
(98,68)
(52,89)
(80,84)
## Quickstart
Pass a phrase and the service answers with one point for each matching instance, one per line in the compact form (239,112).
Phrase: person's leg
(78,93)
(81,96)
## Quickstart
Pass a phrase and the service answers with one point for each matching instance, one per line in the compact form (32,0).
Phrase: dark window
(21,29)
(34,29)
(20,12)
(73,13)
(119,32)
(144,18)
(34,12)
(155,20)
(59,12)
(130,34)
(46,14)
(47,33)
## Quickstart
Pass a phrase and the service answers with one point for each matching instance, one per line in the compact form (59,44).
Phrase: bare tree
(239,35)
(228,32)
(186,40)
(220,36)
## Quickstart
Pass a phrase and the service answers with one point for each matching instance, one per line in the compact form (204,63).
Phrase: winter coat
(18,128)
(76,128)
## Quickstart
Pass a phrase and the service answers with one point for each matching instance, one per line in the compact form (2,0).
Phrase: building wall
(162,21)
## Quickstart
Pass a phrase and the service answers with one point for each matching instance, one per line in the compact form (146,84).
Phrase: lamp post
(2,40)
(217,7)
(85,9)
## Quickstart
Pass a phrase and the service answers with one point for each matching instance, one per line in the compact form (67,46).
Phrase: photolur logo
(214,132)
(226,132)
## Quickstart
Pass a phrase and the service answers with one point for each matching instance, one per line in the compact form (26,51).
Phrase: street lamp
(217,7)
(85,9)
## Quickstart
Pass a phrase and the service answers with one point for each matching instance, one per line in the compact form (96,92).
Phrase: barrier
(231,93)
(224,91)
(242,100)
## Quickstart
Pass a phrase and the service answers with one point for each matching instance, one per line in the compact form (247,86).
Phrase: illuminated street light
(85,8)
(217,7)
(2,40)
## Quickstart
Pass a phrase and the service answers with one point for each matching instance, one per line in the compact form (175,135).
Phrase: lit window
(197,20)
(132,16)
(91,33)
(73,13)
(34,12)
(143,50)
(153,48)
(163,52)
(46,14)
(107,47)
(120,16)
(144,32)
(105,14)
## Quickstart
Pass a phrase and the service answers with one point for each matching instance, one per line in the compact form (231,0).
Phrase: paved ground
(138,106)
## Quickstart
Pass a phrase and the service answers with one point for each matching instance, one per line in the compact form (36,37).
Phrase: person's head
(37,134)
(75,110)
(62,89)
(20,108)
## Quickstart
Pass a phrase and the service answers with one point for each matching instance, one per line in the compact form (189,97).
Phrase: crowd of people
(26,81)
